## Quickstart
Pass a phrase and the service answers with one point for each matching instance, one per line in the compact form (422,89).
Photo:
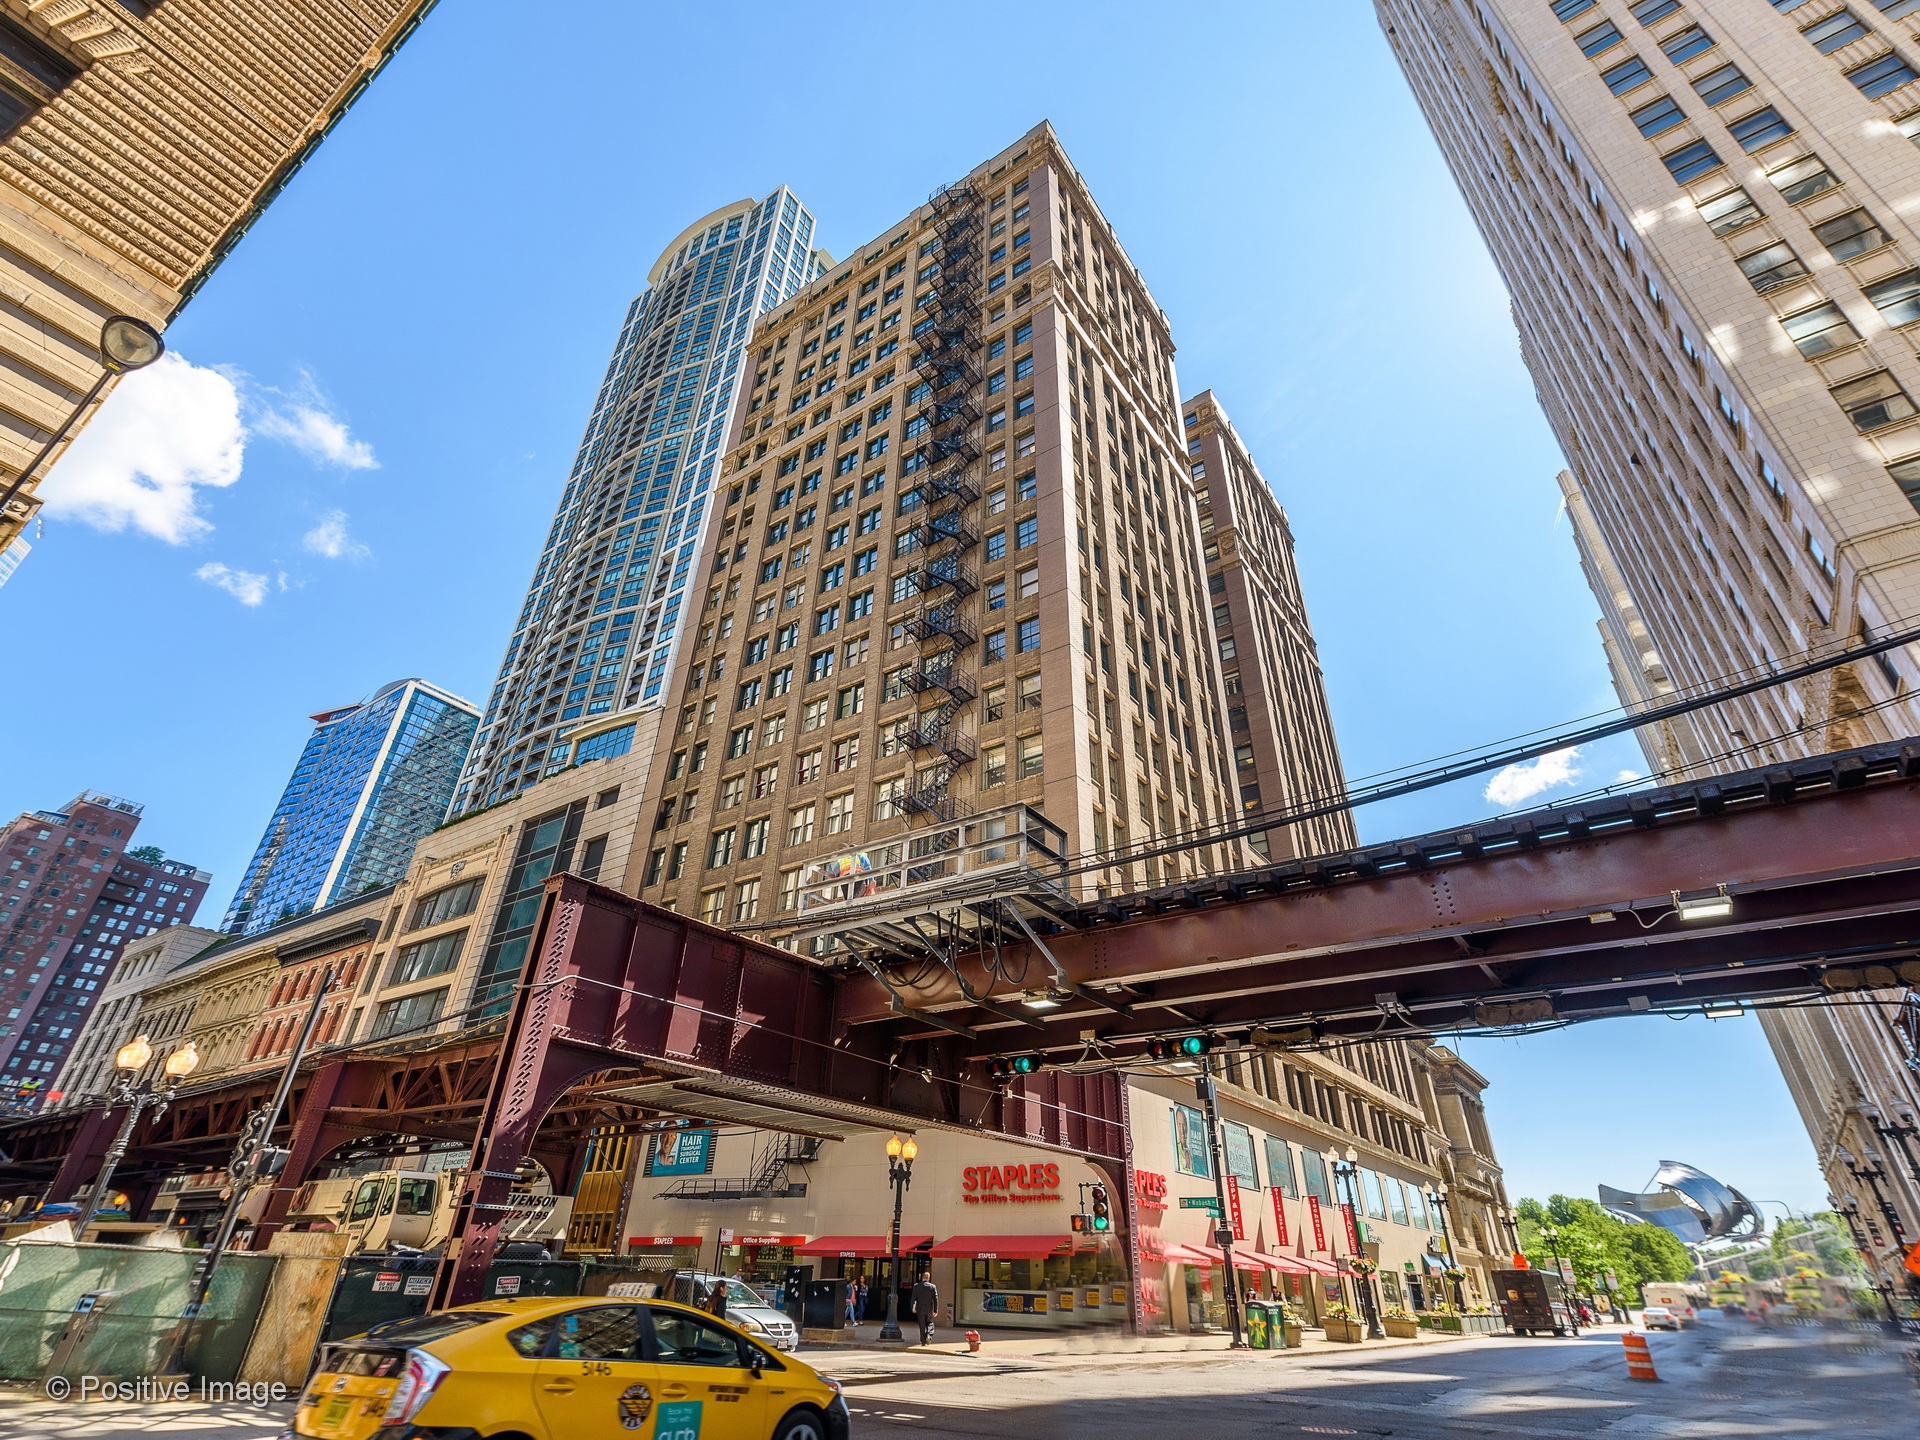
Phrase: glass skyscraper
(598,627)
(371,781)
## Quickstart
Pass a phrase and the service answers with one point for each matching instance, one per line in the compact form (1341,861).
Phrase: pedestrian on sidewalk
(860,1300)
(926,1305)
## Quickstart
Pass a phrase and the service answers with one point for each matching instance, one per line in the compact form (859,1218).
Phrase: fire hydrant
(973,1342)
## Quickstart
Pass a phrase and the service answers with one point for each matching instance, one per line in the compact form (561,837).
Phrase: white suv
(745,1307)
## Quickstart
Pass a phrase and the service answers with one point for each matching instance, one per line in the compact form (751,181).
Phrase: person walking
(926,1305)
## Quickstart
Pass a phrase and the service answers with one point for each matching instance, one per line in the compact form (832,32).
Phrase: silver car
(745,1307)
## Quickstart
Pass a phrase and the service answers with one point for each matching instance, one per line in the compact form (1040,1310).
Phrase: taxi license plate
(336,1410)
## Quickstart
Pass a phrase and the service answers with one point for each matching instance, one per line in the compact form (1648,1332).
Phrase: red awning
(1242,1259)
(1320,1267)
(1001,1247)
(860,1247)
(1286,1263)
(1185,1255)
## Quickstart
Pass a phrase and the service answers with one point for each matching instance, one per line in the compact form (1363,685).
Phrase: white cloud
(245,586)
(1521,782)
(310,426)
(1628,777)
(165,432)
(330,538)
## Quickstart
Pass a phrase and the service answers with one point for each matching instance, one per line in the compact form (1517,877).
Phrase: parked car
(565,1369)
(746,1307)
(1659,1317)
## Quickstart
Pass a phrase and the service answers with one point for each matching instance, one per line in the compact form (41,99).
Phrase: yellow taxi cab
(576,1368)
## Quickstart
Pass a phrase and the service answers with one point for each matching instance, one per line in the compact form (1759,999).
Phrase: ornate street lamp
(1437,1201)
(136,1095)
(1552,1236)
(125,344)
(900,1155)
(1347,1168)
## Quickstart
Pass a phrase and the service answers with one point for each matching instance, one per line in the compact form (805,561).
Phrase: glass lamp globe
(182,1062)
(909,1150)
(893,1147)
(133,1055)
(129,344)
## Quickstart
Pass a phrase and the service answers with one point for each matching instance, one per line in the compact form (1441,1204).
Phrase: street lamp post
(900,1155)
(1437,1201)
(1509,1219)
(1873,1172)
(1552,1236)
(136,1095)
(1899,1134)
(1222,1225)
(125,344)
(1347,1168)
(1850,1212)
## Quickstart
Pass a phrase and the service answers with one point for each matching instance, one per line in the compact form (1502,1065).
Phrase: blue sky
(386,381)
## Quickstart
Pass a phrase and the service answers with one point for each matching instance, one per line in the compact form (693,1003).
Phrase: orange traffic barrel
(1639,1357)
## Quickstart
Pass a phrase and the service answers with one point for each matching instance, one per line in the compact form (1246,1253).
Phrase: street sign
(1200,1202)
(1566,1273)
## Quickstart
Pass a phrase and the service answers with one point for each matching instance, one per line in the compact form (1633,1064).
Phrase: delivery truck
(1534,1302)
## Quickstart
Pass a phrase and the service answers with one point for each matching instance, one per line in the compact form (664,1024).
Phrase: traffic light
(1178,1047)
(1009,1067)
(1102,1215)
(1081,1223)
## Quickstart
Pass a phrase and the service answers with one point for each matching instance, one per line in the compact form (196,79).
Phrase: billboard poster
(681,1152)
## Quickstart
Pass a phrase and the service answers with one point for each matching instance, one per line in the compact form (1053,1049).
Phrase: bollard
(973,1342)
(1639,1357)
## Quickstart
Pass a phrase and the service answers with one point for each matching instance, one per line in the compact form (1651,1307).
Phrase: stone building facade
(138,141)
(1284,752)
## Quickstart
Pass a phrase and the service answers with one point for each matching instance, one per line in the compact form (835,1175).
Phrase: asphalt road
(1726,1378)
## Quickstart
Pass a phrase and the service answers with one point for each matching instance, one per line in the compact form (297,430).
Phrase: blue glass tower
(371,781)
(597,630)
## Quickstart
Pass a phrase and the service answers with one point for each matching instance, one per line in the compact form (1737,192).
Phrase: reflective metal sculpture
(1689,1202)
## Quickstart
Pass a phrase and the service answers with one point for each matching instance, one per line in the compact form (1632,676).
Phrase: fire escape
(948,341)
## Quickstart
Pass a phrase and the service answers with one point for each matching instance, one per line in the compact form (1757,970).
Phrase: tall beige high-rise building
(958,565)
(1702,211)
(138,141)
(1284,752)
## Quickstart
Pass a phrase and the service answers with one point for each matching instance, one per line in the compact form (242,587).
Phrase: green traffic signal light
(1191,1045)
(1025,1064)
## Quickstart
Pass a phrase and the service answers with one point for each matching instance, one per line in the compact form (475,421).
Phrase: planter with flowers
(1400,1323)
(1343,1325)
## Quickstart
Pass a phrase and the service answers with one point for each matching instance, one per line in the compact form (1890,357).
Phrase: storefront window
(1280,1167)
(1314,1167)
(1376,1201)
(1190,1142)
(1240,1162)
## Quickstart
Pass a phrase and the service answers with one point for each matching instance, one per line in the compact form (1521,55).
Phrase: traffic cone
(1639,1357)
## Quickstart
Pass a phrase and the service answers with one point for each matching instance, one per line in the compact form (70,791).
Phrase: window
(993,766)
(1819,330)
(996,595)
(997,545)
(1565,10)
(1027,691)
(1729,212)
(800,824)
(685,1339)
(1688,43)
(773,731)
(1648,11)
(1658,116)
(1850,235)
(1877,77)
(1033,759)
(746,901)
(994,647)
(1026,532)
(819,665)
(1372,1196)
(850,701)
(749,696)
(720,847)
(1717,87)
(1629,74)
(839,814)
(1897,298)
(789,890)
(813,714)
(1190,1149)
(410,1013)
(1836,30)
(833,576)
(766,779)
(1873,400)
(429,957)
(1028,636)
(1313,1168)
(446,904)
(1760,129)
(1771,267)
(1028,581)
(713,905)
(1691,161)
(1906,474)
(1597,41)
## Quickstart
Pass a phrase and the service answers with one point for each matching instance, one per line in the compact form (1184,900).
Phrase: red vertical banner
(1353,1230)
(1280,1222)
(1233,1208)
(1319,1230)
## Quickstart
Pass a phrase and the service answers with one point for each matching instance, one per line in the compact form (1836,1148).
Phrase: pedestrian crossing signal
(1082,1224)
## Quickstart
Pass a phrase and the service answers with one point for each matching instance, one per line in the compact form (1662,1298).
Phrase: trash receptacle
(1259,1319)
(826,1307)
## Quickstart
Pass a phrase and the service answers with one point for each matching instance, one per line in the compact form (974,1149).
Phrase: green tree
(1596,1242)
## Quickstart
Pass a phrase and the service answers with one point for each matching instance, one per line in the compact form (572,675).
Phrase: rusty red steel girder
(1572,906)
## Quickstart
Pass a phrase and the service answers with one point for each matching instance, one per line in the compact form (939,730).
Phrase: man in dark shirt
(926,1305)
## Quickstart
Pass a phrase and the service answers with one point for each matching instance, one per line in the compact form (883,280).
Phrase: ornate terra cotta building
(138,141)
